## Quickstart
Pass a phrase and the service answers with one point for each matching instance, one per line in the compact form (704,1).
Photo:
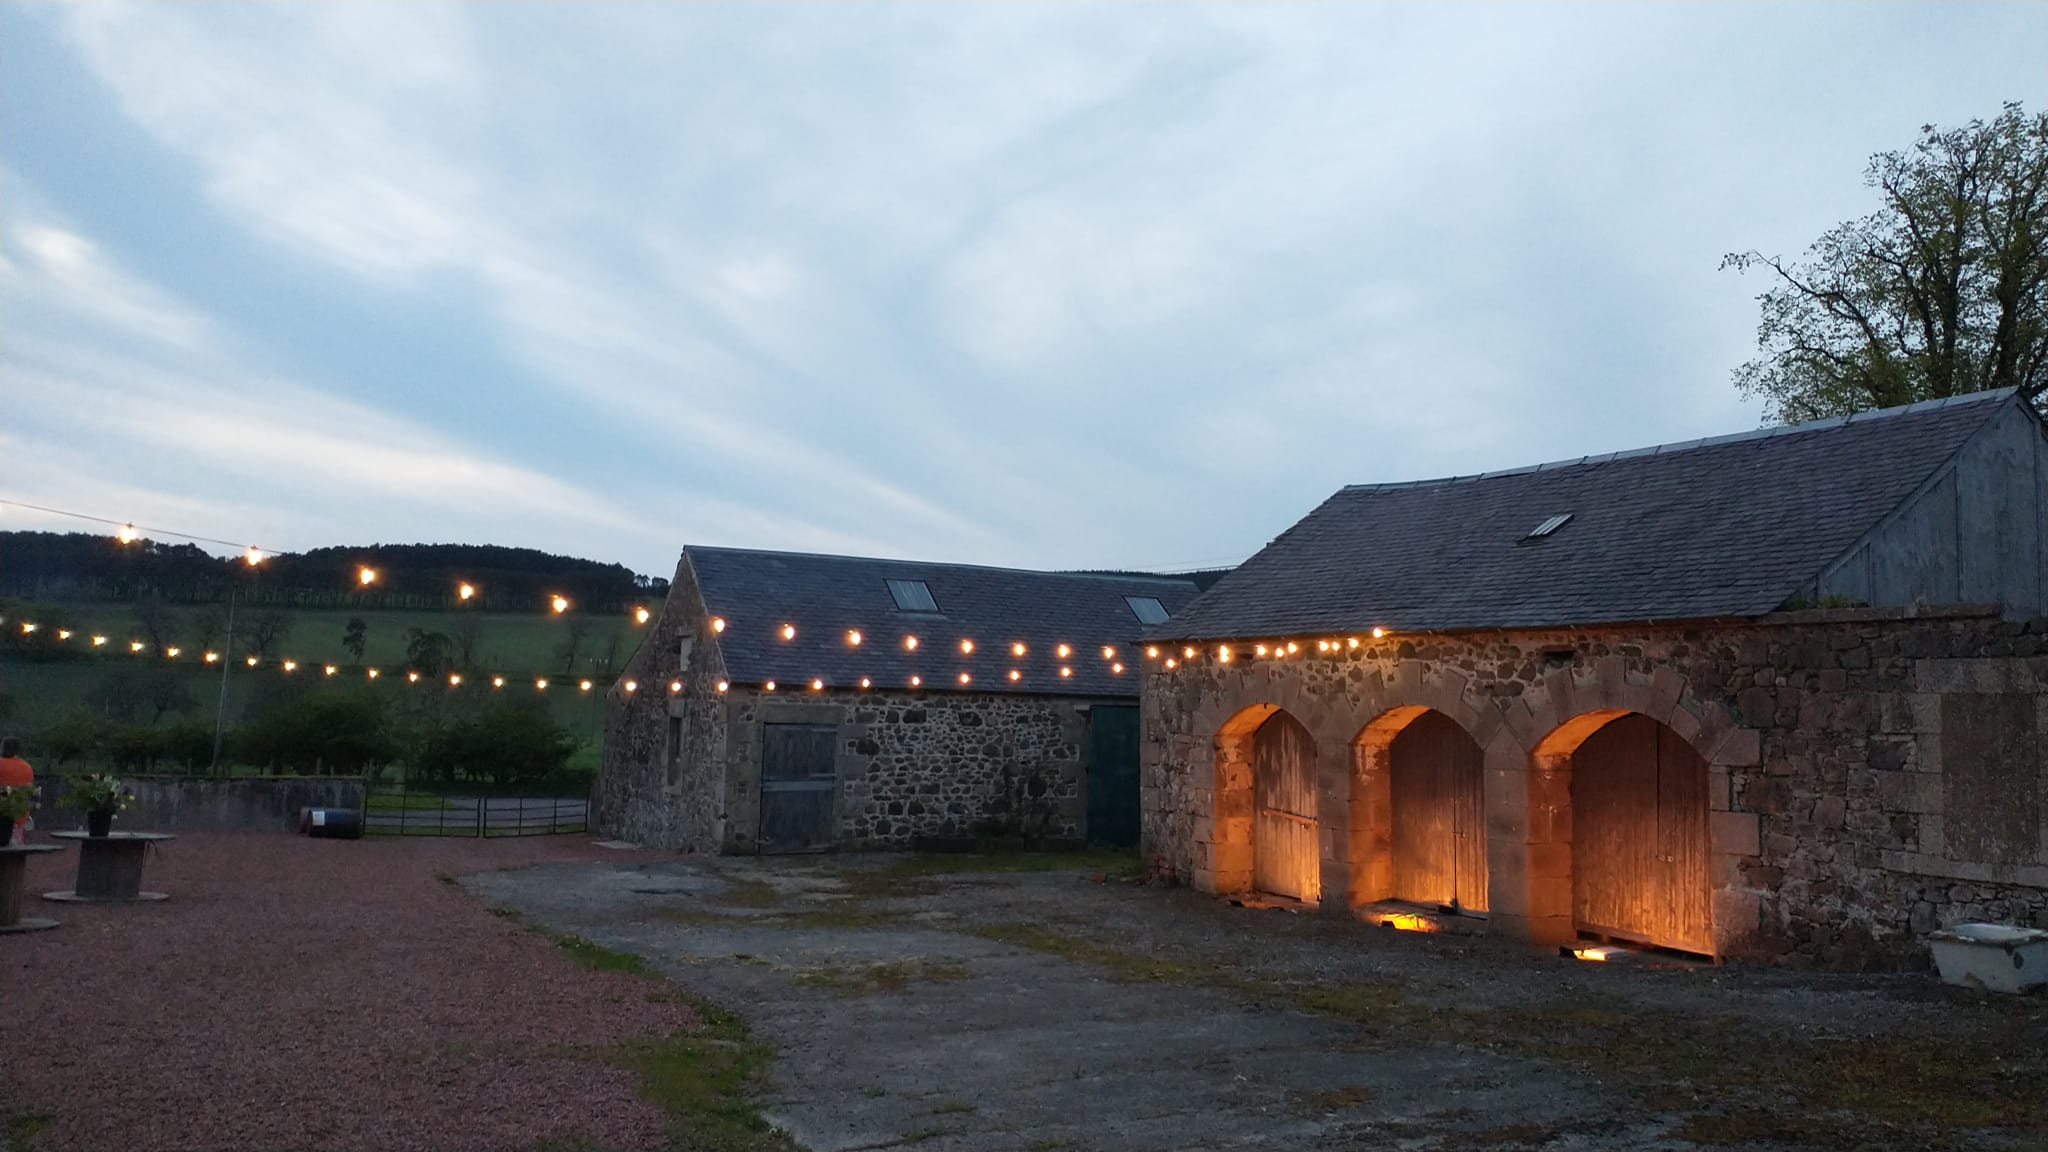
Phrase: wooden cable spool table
(13,879)
(110,868)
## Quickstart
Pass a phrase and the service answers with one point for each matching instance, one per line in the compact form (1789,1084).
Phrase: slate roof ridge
(1174,581)
(1988,397)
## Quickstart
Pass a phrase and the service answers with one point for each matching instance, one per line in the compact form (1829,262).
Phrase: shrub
(509,743)
(328,731)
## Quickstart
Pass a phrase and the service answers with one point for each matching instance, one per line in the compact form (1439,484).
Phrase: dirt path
(996,1010)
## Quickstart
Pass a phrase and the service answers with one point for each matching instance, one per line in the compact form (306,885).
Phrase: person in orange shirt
(15,771)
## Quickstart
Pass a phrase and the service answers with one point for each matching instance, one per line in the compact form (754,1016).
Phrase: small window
(912,596)
(1147,609)
(1548,526)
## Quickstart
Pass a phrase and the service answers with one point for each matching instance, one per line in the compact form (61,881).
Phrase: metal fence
(396,810)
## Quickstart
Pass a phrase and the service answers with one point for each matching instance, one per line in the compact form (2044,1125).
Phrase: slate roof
(1725,527)
(756,593)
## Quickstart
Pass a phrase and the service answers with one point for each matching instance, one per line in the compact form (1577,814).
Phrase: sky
(1061,285)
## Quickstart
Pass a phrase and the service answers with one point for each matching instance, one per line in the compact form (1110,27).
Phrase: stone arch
(1529,804)
(1384,758)
(1223,850)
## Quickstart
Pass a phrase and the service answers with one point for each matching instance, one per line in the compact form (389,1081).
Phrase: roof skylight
(1548,526)
(912,596)
(1147,609)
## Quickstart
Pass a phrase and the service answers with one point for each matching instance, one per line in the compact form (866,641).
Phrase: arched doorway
(1436,804)
(1640,836)
(1286,858)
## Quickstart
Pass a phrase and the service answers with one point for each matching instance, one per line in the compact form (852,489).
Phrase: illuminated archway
(1417,807)
(1263,829)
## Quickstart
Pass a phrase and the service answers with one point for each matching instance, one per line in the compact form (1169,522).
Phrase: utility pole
(220,713)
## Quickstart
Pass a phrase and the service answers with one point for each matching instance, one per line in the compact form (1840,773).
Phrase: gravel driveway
(317,994)
(997,1010)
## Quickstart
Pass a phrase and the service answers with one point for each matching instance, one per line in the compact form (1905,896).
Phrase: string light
(1259,649)
(374,673)
(465,591)
(99,641)
(497,681)
(817,685)
(211,657)
(1066,672)
(632,685)
(1223,654)
(330,670)
(769,686)
(1152,652)
(1017,649)
(63,633)
(1117,668)
(412,677)
(541,684)
(1063,651)
(291,665)
(584,686)
(172,653)
(560,604)
(27,628)
(967,647)
(366,576)
(641,615)
(1016,675)
(1379,633)
(965,678)
(722,686)
(718,623)
(789,631)
(910,643)
(864,682)
(253,557)
(1169,662)
(133,645)
(853,637)
(1351,643)
(1291,648)
(1188,652)
(127,534)
(253,661)
(917,681)
(1108,653)
(455,680)
(1322,645)
(675,687)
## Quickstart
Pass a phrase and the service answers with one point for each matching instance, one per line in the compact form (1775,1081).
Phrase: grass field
(38,694)
(523,644)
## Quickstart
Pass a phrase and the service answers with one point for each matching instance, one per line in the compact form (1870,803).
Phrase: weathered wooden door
(1639,836)
(1285,858)
(1113,775)
(799,787)
(1439,821)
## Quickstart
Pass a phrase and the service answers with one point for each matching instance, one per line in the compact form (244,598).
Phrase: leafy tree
(1942,291)
(353,637)
(328,731)
(509,743)
(429,653)
(265,632)
(69,739)
(187,744)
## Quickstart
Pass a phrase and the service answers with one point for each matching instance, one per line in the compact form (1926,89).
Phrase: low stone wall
(188,804)
(1873,774)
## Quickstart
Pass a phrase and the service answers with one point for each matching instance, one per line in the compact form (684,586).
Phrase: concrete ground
(970,1003)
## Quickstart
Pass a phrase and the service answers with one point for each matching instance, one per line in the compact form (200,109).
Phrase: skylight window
(1147,609)
(912,596)
(1548,526)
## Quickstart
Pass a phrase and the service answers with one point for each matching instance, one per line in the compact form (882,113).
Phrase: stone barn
(788,702)
(1776,694)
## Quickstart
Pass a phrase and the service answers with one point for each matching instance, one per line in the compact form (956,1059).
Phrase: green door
(1113,775)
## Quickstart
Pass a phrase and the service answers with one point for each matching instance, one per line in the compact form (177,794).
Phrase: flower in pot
(17,802)
(101,796)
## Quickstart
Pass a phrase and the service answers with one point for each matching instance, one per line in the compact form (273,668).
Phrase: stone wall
(924,764)
(663,778)
(189,804)
(1874,774)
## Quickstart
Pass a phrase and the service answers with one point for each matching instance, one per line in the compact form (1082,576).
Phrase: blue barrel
(331,823)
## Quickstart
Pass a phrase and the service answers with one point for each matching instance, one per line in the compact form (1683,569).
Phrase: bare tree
(578,627)
(265,631)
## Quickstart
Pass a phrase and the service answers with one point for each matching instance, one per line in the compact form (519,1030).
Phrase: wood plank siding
(1286,859)
(1639,836)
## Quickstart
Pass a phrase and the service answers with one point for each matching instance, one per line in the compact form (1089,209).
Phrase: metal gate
(1286,860)
(1113,775)
(394,808)
(1438,791)
(799,787)
(1639,836)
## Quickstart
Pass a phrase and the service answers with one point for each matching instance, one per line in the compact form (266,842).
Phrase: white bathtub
(1994,957)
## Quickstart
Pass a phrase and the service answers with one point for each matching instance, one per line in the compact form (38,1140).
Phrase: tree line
(96,566)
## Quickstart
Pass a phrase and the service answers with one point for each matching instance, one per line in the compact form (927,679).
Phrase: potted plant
(16,802)
(101,796)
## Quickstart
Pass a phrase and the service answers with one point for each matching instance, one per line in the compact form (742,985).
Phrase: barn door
(1639,836)
(1286,860)
(799,787)
(1113,775)
(1439,824)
